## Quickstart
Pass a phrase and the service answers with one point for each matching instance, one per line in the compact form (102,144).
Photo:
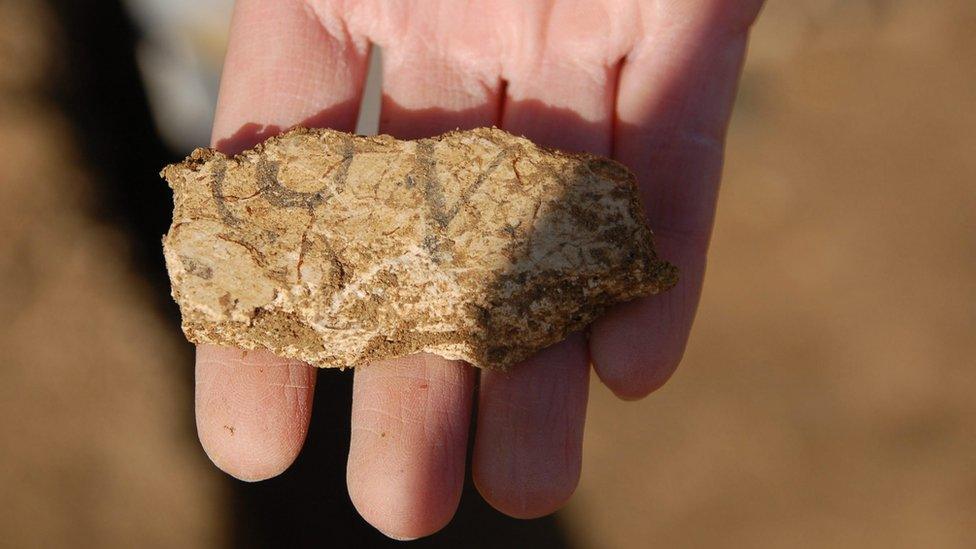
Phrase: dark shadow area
(252,133)
(308,505)
(97,85)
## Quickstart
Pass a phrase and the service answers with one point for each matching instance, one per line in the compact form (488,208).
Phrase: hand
(649,82)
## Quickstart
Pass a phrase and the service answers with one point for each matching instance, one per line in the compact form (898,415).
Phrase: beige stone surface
(339,249)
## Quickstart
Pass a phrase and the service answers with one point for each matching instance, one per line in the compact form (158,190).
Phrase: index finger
(286,64)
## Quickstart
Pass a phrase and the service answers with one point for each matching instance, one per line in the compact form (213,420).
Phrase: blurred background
(827,399)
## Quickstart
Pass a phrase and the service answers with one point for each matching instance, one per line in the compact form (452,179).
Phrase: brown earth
(96,449)
(825,399)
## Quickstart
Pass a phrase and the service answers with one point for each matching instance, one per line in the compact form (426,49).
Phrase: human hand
(650,83)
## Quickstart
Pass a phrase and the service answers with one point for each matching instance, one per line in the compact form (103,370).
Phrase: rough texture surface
(339,249)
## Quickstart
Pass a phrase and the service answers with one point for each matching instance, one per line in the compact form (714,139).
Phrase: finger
(282,68)
(432,80)
(409,433)
(673,105)
(410,416)
(528,446)
(287,65)
(252,409)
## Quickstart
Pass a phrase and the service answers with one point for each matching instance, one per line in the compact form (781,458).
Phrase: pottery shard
(339,249)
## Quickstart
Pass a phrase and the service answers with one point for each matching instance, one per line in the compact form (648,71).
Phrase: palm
(648,82)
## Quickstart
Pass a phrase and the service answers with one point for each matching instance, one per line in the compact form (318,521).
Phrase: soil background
(827,395)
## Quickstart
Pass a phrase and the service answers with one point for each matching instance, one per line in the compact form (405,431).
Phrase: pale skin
(648,82)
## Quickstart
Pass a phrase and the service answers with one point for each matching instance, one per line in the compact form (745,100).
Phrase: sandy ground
(826,397)
(96,445)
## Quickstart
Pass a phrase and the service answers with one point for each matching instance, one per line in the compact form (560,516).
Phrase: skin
(650,83)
